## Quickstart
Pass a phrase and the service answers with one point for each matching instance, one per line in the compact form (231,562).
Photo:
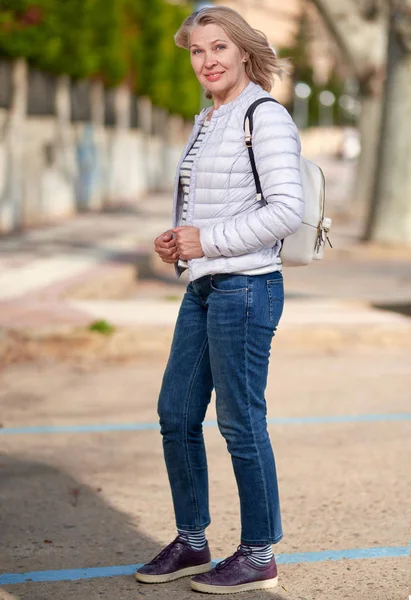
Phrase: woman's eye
(196,51)
(221,47)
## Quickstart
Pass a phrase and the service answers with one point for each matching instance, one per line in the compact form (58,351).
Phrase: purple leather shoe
(236,574)
(175,561)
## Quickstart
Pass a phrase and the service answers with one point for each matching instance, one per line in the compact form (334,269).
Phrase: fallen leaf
(75,492)
(48,542)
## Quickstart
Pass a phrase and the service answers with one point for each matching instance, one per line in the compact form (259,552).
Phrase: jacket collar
(226,108)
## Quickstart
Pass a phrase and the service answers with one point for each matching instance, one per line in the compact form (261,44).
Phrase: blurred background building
(294,29)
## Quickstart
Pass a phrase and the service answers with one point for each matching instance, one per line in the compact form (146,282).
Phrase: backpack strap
(248,129)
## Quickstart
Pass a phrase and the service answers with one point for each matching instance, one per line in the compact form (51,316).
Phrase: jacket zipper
(177,177)
(193,178)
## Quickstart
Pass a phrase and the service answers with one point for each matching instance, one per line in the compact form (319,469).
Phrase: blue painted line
(67,574)
(340,419)
(153,426)
(79,428)
(352,554)
(282,559)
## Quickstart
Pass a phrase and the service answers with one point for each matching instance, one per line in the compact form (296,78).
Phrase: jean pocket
(275,289)
(229,284)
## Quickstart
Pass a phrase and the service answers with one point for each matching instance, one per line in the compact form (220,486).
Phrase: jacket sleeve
(277,148)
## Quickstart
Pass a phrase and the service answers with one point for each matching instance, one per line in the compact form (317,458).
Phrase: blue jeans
(222,340)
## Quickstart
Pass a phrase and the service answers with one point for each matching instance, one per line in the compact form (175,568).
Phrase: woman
(230,243)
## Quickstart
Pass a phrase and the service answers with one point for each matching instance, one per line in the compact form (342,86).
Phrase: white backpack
(307,243)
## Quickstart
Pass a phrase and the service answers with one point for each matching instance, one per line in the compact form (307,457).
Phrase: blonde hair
(262,64)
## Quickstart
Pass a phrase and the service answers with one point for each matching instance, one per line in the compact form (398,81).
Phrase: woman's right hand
(166,247)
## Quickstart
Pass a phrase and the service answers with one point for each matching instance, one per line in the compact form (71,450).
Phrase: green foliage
(172,298)
(115,40)
(107,24)
(102,327)
(186,94)
(56,40)
(164,71)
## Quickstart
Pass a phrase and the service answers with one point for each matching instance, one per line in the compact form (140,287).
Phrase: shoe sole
(234,589)
(198,570)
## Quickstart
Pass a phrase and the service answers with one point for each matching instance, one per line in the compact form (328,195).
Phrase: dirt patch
(81,346)
(111,282)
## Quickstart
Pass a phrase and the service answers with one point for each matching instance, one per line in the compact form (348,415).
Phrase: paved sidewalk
(102,266)
(85,494)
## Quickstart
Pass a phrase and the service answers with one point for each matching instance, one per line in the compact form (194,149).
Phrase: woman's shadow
(49,521)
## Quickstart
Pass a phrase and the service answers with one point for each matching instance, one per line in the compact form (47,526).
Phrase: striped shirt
(185,176)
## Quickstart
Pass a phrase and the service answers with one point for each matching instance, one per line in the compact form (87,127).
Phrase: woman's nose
(210,61)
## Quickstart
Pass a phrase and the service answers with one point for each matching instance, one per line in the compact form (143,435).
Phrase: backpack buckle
(248,141)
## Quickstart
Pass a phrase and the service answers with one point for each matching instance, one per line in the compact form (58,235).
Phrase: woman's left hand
(188,242)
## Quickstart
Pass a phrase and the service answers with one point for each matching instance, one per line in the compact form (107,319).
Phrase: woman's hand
(188,242)
(166,247)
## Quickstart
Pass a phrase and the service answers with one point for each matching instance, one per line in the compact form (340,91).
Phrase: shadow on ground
(51,521)
(401,309)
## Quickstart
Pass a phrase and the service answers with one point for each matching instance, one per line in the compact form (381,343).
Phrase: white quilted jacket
(238,233)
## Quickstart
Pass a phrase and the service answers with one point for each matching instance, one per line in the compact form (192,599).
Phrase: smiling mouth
(213,76)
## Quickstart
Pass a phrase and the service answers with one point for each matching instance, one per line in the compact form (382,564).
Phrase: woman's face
(216,60)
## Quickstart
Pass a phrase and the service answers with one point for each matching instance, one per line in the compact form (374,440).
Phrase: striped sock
(195,539)
(258,555)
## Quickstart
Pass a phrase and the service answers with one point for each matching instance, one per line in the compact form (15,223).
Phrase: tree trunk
(97,104)
(12,201)
(361,31)
(390,219)
(145,125)
(64,142)
(122,107)
(145,115)
(369,127)
(121,151)
(98,139)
